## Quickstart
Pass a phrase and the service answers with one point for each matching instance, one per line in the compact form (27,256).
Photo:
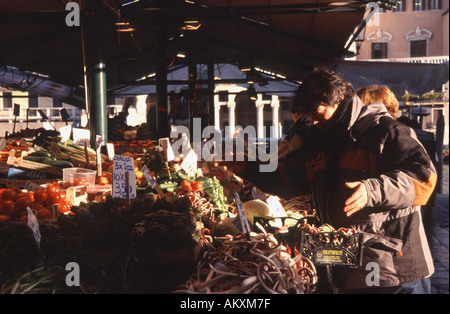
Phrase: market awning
(223,74)
(288,37)
(37,84)
(400,77)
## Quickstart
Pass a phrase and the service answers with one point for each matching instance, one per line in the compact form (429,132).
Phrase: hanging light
(360,39)
(124,26)
(245,68)
(181,54)
(251,77)
(191,25)
(252,92)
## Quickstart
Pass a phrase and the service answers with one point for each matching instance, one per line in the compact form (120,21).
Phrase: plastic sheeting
(400,77)
(40,85)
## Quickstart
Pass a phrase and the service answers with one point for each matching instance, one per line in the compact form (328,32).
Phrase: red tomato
(44,213)
(63,196)
(9,194)
(22,203)
(82,182)
(185,184)
(8,207)
(63,208)
(40,196)
(54,197)
(53,188)
(31,196)
(197,186)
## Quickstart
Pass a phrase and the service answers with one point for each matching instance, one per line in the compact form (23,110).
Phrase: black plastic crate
(331,248)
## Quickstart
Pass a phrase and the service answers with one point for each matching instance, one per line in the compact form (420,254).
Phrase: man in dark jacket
(368,172)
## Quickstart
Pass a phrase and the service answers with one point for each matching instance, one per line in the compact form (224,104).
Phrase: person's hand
(357,200)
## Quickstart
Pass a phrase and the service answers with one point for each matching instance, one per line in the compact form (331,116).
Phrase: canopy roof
(288,37)
(223,74)
(400,77)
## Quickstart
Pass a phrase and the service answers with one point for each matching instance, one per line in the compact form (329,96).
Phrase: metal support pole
(193,104)
(95,72)
(162,120)
(211,88)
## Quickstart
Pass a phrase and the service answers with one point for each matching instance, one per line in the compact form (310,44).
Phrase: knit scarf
(335,138)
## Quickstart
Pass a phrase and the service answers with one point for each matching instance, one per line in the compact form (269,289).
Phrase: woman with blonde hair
(379,93)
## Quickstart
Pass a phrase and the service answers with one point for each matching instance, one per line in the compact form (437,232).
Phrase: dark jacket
(399,176)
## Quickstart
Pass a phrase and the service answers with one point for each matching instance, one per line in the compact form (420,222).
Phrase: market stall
(154,221)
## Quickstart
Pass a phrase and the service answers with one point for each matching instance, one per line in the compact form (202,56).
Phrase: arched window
(418,42)
(380,44)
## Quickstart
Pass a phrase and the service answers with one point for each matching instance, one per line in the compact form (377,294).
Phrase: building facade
(414,29)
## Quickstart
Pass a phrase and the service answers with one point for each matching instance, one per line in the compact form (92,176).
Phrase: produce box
(18,183)
(28,164)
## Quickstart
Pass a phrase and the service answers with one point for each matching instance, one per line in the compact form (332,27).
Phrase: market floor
(438,237)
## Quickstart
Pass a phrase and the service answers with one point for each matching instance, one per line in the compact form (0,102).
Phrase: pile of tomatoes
(43,202)
(191,185)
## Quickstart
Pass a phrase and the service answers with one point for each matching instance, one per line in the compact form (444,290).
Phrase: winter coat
(399,176)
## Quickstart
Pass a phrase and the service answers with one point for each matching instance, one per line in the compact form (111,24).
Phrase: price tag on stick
(189,163)
(167,148)
(245,226)
(151,180)
(33,224)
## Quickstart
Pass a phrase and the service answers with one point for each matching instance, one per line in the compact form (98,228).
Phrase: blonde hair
(379,93)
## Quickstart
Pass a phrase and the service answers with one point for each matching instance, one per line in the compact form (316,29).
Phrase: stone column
(216,112)
(275,117)
(231,115)
(260,116)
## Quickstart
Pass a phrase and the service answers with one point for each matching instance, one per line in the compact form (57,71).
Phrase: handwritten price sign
(121,186)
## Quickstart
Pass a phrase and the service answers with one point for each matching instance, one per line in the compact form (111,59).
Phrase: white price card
(151,180)
(110,150)
(65,132)
(33,224)
(275,206)
(189,163)
(167,148)
(81,137)
(149,177)
(245,226)
(123,165)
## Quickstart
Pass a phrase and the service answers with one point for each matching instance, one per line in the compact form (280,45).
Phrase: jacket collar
(364,117)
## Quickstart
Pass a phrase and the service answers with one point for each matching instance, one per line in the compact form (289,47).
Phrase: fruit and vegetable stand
(179,228)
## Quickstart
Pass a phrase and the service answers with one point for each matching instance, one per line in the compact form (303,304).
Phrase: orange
(103,180)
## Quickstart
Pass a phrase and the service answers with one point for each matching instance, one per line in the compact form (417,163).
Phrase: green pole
(95,72)
(100,101)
